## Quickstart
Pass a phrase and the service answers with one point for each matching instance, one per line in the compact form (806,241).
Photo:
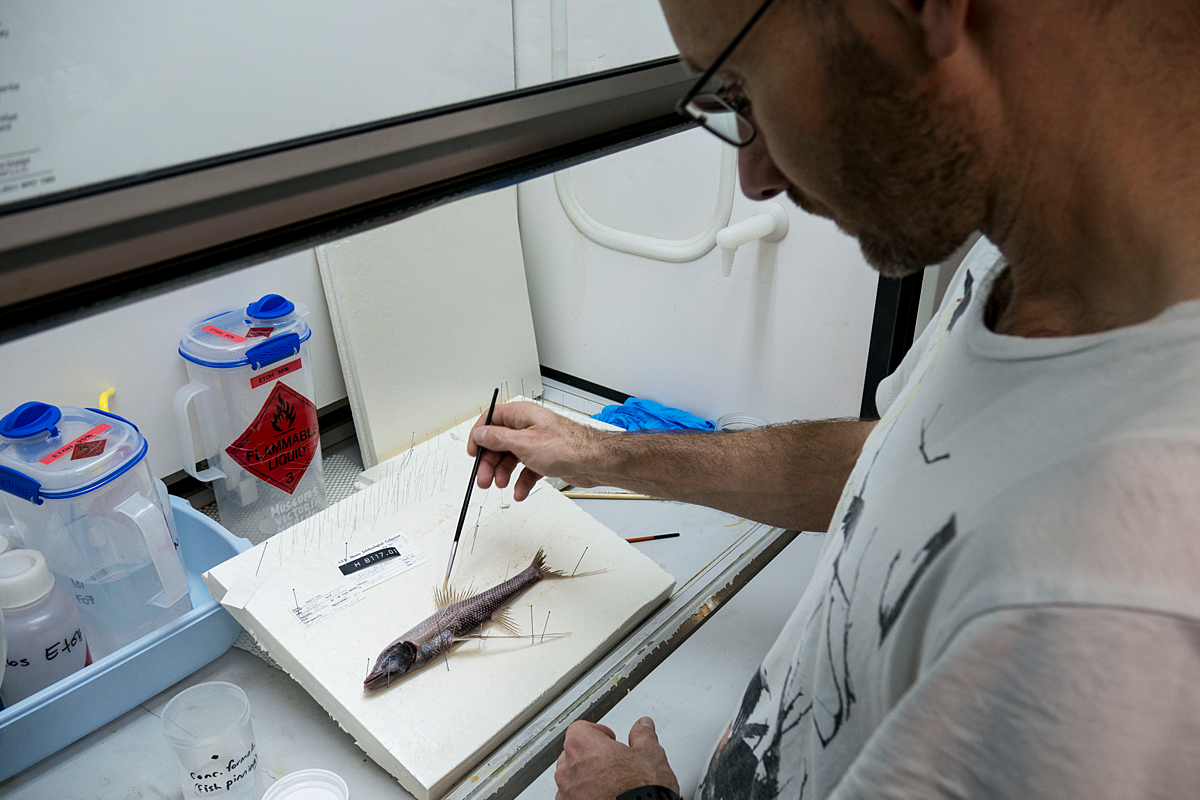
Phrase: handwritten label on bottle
(230,773)
(65,646)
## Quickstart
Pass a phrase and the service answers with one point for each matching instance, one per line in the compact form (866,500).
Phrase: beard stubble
(907,178)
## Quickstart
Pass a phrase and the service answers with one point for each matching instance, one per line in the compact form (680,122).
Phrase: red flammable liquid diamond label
(281,441)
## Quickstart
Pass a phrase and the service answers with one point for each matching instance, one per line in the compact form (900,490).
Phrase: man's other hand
(546,443)
(595,766)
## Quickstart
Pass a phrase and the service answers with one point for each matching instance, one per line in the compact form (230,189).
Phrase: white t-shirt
(1009,600)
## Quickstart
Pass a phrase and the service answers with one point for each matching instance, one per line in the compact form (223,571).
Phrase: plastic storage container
(43,634)
(99,693)
(252,385)
(309,784)
(79,489)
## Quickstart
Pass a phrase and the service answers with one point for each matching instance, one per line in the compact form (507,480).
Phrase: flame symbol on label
(285,416)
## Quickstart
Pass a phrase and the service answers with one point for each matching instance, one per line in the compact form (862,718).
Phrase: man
(1009,600)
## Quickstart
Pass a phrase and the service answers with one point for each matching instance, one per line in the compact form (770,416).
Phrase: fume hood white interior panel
(784,337)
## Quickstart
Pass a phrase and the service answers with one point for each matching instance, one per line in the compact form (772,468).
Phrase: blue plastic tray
(48,721)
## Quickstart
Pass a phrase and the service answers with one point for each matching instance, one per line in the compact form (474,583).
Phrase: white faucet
(769,223)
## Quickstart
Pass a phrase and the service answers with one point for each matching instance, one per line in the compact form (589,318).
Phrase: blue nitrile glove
(639,414)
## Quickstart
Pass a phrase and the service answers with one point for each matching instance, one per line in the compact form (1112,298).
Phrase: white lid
(309,784)
(24,578)
(3,545)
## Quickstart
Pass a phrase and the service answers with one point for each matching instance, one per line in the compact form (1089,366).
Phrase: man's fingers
(521,415)
(580,733)
(642,734)
(511,417)
(487,468)
(525,483)
(494,437)
(643,740)
(505,469)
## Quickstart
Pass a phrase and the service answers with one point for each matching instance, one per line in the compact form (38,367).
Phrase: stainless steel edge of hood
(62,257)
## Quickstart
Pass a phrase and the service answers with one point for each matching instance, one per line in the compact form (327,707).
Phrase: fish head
(393,662)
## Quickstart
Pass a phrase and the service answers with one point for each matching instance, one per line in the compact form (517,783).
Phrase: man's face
(847,135)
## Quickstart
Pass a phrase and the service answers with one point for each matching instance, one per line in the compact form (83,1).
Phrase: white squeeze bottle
(44,637)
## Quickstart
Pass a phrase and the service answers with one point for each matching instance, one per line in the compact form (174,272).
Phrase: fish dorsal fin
(503,620)
(445,596)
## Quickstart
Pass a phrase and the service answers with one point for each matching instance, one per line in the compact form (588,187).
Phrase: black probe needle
(467,500)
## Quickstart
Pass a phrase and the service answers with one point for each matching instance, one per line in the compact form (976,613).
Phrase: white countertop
(691,695)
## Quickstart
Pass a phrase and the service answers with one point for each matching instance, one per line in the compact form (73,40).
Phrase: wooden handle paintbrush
(462,517)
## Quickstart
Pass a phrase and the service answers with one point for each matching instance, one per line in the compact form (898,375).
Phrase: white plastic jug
(79,490)
(251,381)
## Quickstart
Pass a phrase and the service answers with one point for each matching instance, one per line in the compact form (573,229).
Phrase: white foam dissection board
(430,314)
(431,728)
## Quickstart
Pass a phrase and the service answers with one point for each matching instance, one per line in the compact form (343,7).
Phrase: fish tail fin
(539,563)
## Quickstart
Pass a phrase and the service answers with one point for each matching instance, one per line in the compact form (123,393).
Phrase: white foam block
(429,314)
(431,728)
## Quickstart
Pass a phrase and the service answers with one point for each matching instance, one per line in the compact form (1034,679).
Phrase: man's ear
(941,22)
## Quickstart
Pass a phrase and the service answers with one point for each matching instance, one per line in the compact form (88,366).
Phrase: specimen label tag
(375,564)
(327,604)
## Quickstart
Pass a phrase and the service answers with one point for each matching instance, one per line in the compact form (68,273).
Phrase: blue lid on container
(30,419)
(48,452)
(267,330)
(270,306)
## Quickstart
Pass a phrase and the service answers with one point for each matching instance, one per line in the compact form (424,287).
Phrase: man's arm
(786,475)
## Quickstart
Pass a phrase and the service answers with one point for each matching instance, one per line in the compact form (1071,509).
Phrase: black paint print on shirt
(925,426)
(747,763)
(966,301)
(923,559)
(833,686)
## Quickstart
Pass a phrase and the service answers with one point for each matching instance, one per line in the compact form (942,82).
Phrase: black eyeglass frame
(698,88)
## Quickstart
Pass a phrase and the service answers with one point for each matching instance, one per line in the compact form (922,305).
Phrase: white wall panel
(784,338)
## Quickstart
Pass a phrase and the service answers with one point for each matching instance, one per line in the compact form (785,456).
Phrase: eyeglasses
(723,113)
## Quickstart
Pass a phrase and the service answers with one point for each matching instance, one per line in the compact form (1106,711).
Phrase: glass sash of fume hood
(144,143)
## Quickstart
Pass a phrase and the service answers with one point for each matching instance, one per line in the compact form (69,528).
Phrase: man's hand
(595,766)
(545,442)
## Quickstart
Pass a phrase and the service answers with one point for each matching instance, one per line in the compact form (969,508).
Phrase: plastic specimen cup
(208,728)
